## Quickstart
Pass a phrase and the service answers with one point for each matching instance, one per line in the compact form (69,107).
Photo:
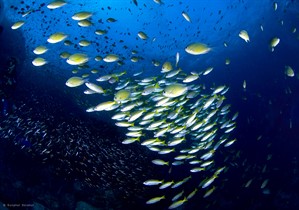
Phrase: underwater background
(56,155)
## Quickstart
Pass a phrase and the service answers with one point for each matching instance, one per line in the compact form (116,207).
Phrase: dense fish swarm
(75,145)
(170,113)
(183,123)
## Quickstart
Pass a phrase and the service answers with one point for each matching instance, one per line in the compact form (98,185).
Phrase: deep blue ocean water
(55,155)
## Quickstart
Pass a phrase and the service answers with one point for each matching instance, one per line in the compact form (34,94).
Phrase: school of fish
(171,113)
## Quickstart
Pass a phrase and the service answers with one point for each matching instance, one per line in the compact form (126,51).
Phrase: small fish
(274,42)
(207,71)
(155,200)
(74,82)
(77,59)
(165,185)
(104,106)
(56,4)
(122,95)
(57,37)
(142,35)
(166,67)
(130,140)
(248,183)
(152,182)
(40,50)
(111,20)
(111,58)
(101,32)
(244,84)
(135,2)
(186,16)
(264,184)
(289,71)
(197,49)
(177,59)
(209,192)
(208,182)
(275,6)
(17,25)
(84,43)
(191,78)
(177,196)
(39,61)
(160,162)
(81,16)
(177,203)
(96,88)
(124,124)
(175,90)
(244,35)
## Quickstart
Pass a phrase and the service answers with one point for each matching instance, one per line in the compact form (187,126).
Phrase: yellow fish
(57,37)
(17,25)
(197,49)
(40,50)
(81,16)
(77,59)
(244,35)
(56,4)
(39,62)
(142,35)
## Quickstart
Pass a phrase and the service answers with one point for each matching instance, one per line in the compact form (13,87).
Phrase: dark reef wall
(12,42)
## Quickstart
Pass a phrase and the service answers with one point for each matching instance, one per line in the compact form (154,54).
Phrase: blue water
(55,154)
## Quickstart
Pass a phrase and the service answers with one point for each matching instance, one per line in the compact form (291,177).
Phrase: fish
(101,32)
(209,192)
(186,16)
(175,90)
(111,20)
(155,200)
(96,88)
(177,203)
(81,15)
(84,43)
(165,185)
(56,4)
(135,2)
(177,196)
(160,162)
(57,37)
(122,96)
(207,71)
(75,82)
(244,35)
(111,58)
(197,48)
(17,25)
(142,35)
(77,59)
(244,84)
(192,194)
(264,184)
(289,71)
(274,42)
(209,181)
(275,6)
(39,61)
(40,50)
(104,106)
(191,78)
(151,182)
(177,59)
